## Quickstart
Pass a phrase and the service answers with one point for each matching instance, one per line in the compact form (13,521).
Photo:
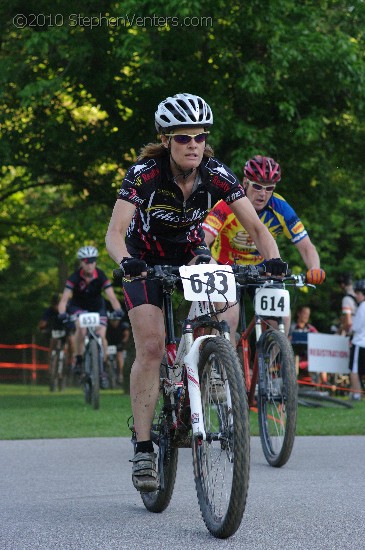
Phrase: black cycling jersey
(87,296)
(164,224)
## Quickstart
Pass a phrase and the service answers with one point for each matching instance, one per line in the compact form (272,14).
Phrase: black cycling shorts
(149,291)
(357,360)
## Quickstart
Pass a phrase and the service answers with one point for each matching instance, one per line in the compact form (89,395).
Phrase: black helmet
(360,286)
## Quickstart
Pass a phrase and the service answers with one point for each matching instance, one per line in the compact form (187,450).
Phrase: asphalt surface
(77,494)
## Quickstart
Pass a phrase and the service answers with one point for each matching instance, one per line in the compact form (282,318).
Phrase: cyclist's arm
(209,237)
(119,222)
(67,293)
(309,253)
(112,298)
(346,323)
(247,216)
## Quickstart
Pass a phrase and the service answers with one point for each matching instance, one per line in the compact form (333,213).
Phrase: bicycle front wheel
(277,397)
(157,501)
(222,461)
(94,374)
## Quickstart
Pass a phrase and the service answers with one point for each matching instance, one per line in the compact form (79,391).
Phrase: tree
(81,81)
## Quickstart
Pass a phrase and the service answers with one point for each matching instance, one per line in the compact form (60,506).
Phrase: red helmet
(262,170)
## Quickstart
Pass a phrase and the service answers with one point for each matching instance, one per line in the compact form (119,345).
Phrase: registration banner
(328,353)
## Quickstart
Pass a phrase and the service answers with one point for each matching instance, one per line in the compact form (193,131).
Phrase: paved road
(76,494)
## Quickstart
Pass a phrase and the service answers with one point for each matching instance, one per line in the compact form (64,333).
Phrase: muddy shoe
(144,475)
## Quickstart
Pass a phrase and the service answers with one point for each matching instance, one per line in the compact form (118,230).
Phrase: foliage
(79,87)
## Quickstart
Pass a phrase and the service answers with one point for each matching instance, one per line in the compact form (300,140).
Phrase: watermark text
(45,20)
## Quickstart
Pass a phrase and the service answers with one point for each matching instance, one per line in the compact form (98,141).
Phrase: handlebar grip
(118,275)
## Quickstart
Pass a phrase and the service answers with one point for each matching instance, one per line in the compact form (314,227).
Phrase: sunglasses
(183,139)
(89,260)
(258,187)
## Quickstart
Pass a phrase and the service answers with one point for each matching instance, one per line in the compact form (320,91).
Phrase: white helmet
(183,110)
(87,252)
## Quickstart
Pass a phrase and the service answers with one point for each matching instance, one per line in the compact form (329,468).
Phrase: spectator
(357,352)
(348,305)
(299,336)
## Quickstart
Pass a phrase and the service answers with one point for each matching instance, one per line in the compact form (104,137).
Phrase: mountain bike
(268,360)
(57,377)
(92,359)
(203,401)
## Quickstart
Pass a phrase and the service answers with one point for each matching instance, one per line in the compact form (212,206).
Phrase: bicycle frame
(257,324)
(183,361)
(92,335)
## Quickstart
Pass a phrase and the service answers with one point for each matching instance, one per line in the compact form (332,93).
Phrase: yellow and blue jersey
(231,240)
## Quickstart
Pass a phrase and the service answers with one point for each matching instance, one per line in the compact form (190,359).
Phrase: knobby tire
(221,466)
(277,397)
(167,456)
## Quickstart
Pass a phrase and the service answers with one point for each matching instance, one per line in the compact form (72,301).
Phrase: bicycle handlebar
(244,275)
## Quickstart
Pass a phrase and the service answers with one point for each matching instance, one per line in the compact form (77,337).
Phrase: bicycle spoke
(221,462)
(277,399)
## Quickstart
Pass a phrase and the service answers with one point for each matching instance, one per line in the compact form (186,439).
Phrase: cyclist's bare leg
(101,331)
(70,348)
(79,339)
(149,339)
(286,321)
(231,316)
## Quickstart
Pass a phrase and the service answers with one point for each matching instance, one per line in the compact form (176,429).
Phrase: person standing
(299,337)
(348,304)
(357,352)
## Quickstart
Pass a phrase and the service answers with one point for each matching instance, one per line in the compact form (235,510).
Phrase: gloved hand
(119,313)
(276,267)
(63,318)
(134,267)
(315,276)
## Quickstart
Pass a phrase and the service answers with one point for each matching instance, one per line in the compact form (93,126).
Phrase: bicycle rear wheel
(277,397)
(222,461)
(94,374)
(157,501)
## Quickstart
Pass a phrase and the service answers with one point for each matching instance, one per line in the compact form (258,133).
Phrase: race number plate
(112,350)
(58,333)
(208,281)
(272,302)
(90,320)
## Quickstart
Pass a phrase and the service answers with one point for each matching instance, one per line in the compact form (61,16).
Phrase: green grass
(32,412)
(327,420)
